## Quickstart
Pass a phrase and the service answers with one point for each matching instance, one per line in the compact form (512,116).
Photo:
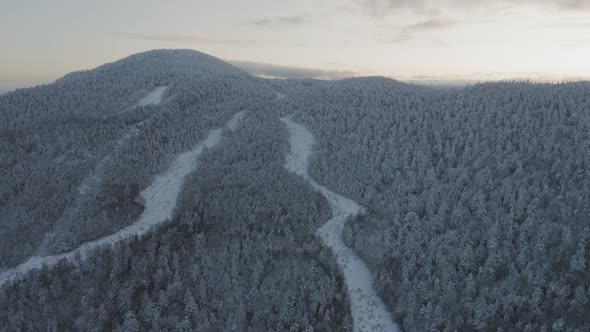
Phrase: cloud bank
(185,39)
(412,30)
(435,7)
(277,71)
(280,21)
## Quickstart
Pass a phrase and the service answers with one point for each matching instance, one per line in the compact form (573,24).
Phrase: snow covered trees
(74,154)
(477,201)
(478,198)
(240,255)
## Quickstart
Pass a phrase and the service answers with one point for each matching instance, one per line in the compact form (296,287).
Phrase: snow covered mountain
(172,191)
(76,153)
(117,86)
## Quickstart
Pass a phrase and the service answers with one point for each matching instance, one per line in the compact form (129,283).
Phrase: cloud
(381,8)
(473,78)
(572,4)
(430,15)
(280,21)
(430,24)
(410,31)
(583,42)
(384,7)
(277,71)
(185,39)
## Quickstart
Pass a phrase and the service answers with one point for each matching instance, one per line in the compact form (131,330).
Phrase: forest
(240,238)
(476,201)
(53,137)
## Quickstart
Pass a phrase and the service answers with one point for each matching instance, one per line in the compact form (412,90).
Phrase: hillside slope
(88,128)
(475,202)
(477,199)
(238,255)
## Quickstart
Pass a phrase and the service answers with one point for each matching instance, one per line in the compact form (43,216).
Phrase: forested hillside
(84,126)
(476,202)
(238,256)
(478,198)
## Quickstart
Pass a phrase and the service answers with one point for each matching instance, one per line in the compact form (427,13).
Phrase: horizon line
(433,81)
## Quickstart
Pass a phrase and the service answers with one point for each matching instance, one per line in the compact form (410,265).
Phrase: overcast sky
(415,40)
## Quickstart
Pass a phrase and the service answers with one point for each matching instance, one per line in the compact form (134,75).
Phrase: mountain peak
(169,63)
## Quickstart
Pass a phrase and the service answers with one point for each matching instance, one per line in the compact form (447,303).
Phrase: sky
(431,41)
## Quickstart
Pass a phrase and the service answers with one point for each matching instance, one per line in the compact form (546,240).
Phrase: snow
(368,310)
(160,201)
(89,184)
(152,98)
(235,121)
(280,96)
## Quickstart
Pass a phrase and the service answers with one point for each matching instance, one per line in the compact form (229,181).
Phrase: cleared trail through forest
(368,310)
(160,200)
(89,185)
(92,182)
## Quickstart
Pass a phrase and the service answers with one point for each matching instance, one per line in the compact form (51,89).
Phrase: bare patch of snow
(235,120)
(368,310)
(159,198)
(152,98)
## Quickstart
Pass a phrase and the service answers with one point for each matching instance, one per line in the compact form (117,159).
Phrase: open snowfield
(368,310)
(153,98)
(160,200)
(235,120)
(280,96)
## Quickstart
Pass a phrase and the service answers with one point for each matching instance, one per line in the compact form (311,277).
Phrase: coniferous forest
(476,201)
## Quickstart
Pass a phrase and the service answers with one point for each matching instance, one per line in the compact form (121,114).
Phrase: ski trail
(90,184)
(280,96)
(160,200)
(152,98)
(368,310)
(235,121)
(92,181)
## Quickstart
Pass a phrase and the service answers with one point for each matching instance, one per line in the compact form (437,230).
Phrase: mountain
(117,86)
(86,130)
(172,191)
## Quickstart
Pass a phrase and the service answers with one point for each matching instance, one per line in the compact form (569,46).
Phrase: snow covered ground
(368,311)
(235,120)
(90,184)
(152,98)
(160,200)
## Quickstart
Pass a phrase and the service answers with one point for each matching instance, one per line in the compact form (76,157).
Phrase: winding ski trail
(368,310)
(160,201)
